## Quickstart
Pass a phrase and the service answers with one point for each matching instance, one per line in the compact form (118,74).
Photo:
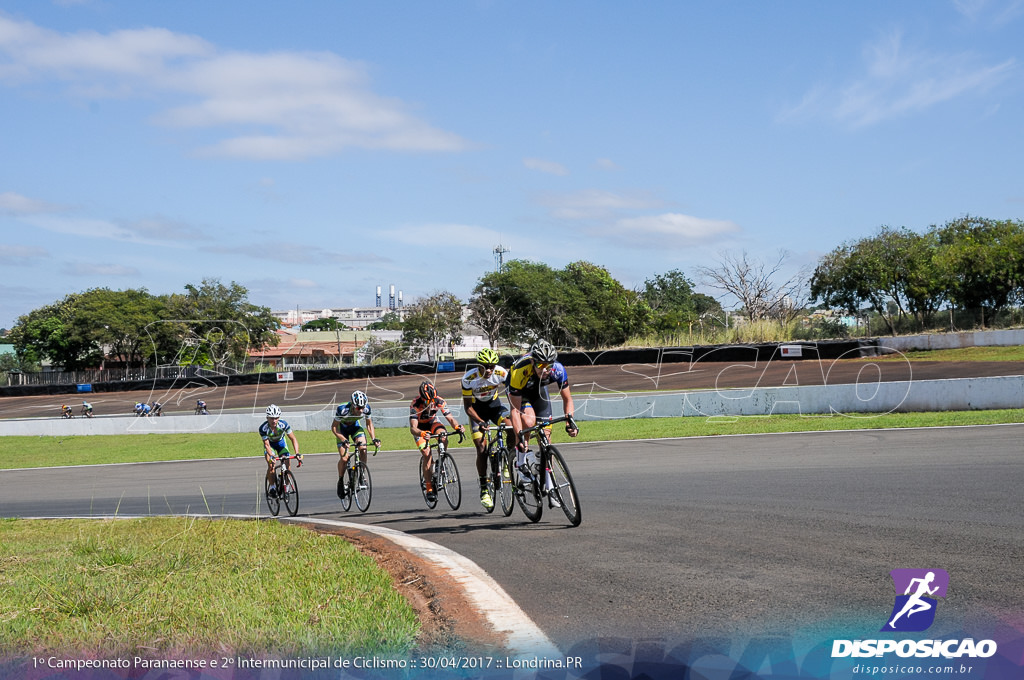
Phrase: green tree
(119,321)
(433,324)
(327,324)
(981,263)
(217,325)
(49,334)
(389,322)
(674,304)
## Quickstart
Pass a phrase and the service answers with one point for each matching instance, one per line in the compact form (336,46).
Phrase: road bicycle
(283,488)
(357,481)
(201,410)
(549,477)
(87,411)
(445,473)
(501,463)
(66,412)
(157,409)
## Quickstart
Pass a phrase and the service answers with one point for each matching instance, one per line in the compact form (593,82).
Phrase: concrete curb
(522,636)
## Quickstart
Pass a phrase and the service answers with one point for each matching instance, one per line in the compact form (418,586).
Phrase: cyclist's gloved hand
(376,443)
(299,458)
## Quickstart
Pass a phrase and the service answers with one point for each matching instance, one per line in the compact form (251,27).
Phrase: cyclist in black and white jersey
(481,387)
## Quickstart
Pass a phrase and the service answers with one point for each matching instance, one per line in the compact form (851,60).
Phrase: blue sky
(314,150)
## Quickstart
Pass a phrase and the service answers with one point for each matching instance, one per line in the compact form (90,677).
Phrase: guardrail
(854,400)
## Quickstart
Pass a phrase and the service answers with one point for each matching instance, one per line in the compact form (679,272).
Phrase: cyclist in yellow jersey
(528,392)
(480,389)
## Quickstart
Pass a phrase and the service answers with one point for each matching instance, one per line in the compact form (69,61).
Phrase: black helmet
(428,391)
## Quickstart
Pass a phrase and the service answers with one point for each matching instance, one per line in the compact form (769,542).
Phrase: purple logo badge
(916,593)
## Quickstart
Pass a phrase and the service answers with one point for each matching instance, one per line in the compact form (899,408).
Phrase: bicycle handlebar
(548,423)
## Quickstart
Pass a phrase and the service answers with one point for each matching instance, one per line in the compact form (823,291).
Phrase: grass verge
(187,587)
(96,449)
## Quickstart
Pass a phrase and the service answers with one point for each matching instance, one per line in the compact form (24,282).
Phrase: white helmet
(359,398)
(273,411)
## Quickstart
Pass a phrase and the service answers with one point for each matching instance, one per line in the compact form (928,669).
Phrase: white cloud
(899,81)
(291,105)
(606,164)
(95,269)
(668,230)
(549,167)
(445,235)
(20,254)
(594,204)
(16,204)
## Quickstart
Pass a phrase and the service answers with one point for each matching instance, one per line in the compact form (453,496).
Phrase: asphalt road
(585,380)
(758,535)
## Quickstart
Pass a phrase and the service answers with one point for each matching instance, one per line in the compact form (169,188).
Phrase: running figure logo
(914,610)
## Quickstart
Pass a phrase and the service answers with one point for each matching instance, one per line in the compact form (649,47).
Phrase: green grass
(188,587)
(95,449)
(1013,353)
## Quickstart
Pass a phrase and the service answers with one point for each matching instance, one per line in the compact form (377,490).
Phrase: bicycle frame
(551,477)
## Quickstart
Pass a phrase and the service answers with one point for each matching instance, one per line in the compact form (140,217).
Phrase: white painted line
(523,637)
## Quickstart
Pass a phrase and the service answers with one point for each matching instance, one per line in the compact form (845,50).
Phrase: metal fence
(114,375)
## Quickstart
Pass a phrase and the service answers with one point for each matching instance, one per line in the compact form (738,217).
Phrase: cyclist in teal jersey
(274,432)
(346,426)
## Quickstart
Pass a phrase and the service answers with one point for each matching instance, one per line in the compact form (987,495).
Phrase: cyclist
(201,408)
(425,420)
(87,409)
(346,426)
(142,410)
(527,383)
(157,408)
(274,432)
(481,387)
(65,411)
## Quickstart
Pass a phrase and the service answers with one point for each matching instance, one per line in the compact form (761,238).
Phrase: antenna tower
(499,259)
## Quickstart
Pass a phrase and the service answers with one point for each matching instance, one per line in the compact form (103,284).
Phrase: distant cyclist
(142,410)
(87,409)
(201,408)
(528,396)
(481,387)
(65,411)
(425,420)
(346,426)
(157,408)
(274,433)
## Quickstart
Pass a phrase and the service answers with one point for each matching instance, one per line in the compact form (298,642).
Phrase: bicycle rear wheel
(363,488)
(504,481)
(448,478)
(564,488)
(273,502)
(291,493)
(423,487)
(528,495)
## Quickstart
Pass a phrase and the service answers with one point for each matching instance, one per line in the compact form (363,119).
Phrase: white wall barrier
(906,343)
(859,399)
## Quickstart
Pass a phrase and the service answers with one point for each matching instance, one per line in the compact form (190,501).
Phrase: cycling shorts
(539,401)
(490,411)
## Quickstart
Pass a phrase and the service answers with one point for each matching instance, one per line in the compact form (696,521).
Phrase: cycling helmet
(273,411)
(427,391)
(543,351)
(487,357)
(359,398)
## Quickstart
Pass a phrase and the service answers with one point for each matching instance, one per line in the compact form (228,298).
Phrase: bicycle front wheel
(273,502)
(448,478)
(363,488)
(563,488)
(291,493)
(350,481)
(504,481)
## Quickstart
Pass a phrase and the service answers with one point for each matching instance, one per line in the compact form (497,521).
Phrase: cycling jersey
(347,420)
(479,388)
(425,412)
(276,435)
(522,379)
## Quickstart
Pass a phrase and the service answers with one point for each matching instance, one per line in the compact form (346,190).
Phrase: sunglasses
(542,367)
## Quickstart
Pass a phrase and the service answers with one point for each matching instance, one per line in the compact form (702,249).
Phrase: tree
(217,324)
(49,334)
(673,302)
(119,321)
(433,324)
(389,322)
(328,324)
(756,286)
(981,263)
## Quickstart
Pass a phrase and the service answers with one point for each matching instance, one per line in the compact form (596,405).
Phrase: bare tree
(755,284)
(490,317)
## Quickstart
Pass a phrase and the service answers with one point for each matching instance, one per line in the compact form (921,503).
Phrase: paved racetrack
(584,379)
(779,534)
